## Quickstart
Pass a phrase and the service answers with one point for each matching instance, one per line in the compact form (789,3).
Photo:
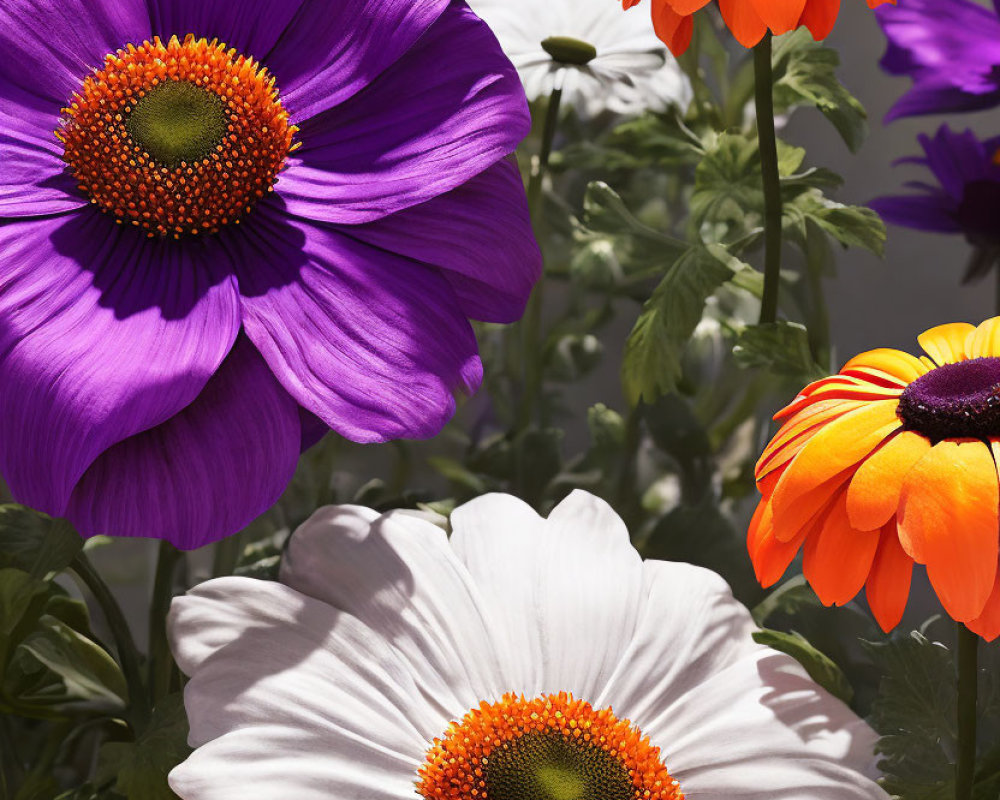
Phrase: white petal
(263,659)
(690,627)
(763,730)
(565,592)
(273,762)
(399,576)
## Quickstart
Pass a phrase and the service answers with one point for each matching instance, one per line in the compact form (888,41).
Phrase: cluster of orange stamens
(457,766)
(192,196)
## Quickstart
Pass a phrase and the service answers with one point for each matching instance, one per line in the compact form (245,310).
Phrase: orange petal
(816,414)
(875,376)
(873,496)
(673,29)
(756,530)
(834,449)
(877,3)
(839,557)
(686,7)
(984,340)
(987,624)
(888,586)
(819,17)
(809,508)
(948,521)
(743,21)
(896,362)
(946,343)
(839,387)
(766,484)
(781,16)
(772,557)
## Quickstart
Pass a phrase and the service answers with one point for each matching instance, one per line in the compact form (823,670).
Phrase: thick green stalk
(531,344)
(161,662)
(128,653)
(768,140)
(968,684)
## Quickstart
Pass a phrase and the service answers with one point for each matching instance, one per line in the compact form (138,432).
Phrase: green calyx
(177,122)
(567,50)
(550,766)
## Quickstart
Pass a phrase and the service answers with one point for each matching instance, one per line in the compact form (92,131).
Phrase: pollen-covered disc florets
(552,747)
(177,138)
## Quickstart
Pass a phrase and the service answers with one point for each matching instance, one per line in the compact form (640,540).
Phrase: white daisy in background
(524,659)
(602,57)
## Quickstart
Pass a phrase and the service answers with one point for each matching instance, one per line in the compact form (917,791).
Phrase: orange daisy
(890,462)
(748,20)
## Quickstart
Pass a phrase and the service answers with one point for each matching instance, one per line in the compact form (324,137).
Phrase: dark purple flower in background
(951,51)
(159,377)
(965,199)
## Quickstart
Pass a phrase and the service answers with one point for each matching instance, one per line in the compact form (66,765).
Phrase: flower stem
(161,662)
(128,654)
(968,679)
(768,142)
(531,344)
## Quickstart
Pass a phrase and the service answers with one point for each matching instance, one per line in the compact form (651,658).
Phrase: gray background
(877,303)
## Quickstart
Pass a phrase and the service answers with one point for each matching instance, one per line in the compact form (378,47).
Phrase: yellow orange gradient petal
(771,557)
(808,508)
(984,341)
(874,492)
(897,363)
(837,447)
(946,343)
(839,557)
(948,521)
(819,413)
(686,7)
(888,586)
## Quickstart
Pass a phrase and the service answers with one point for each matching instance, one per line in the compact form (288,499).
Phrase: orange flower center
(177,138)
(550,748)
(954,401)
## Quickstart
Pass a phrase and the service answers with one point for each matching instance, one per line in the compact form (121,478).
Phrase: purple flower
(160,377)
(951,51)
(966,198)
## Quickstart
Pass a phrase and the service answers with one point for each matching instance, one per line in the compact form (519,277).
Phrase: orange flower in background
(891,462)
(748,20)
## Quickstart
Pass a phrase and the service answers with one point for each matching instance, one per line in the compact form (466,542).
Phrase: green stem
(768,141)
(226,555)
(161,662)
(531,344)
(128,653)
(968,680)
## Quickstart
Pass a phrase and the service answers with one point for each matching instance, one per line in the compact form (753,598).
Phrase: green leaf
(36,543)
(140,768)
(852,226)
(605,211)
(805,73)
(652,364)
(607,428)
(819,666)
(915,715)
(55,670)
(781,347)
(727,185)
(788,598)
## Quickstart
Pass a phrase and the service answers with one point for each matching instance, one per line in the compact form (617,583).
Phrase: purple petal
(449,109)
(935,98)
(330,51)
(103,334)
(371,343)
(204,473)
(252,27)
(34,180)
(49,46)
(479,235)
(956,159)
(935,212)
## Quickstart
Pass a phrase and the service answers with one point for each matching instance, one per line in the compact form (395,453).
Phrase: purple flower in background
(965,199)
(951,51)
(230,248)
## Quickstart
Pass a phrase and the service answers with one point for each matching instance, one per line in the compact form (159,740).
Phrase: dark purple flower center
(955,401)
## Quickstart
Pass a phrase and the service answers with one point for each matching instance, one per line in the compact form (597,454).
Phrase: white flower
(342,682)
(631,72)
